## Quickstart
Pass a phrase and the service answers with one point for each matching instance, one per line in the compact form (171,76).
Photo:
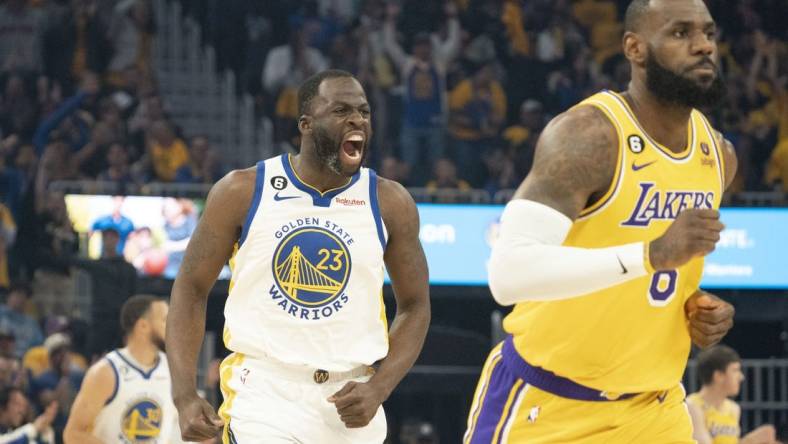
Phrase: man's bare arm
(575,160)
(729,158)
(574,166)
(358,403)
(97,388)
(407,267)
(209,249)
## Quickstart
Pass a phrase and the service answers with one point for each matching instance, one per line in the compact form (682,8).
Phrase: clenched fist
(709,317)
(694,233)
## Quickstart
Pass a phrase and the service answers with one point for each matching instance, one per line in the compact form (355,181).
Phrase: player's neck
(143,352)
(315,173)
(664,122)
(713,396)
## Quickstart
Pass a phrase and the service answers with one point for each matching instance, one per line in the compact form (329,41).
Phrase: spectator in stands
(393,169)
(113,280)
(14,414)
(7,238)
(715,417)
(166,151)
(286,66)
(150,110)
(11,372)
(320,29)
(777,168)
(521,137)
(444,177)
(423,73)
(53,237)
(59,384)
(22,28)
(118,170)
(110,114)
(18,109)
(91,159)
(203,166)
(478,109)
(73,126)
(130,34)
(15,320)
(501,174)
(7,343)
(12,181)
(77,43)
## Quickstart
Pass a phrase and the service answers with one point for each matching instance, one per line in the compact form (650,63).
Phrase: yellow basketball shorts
(508,407)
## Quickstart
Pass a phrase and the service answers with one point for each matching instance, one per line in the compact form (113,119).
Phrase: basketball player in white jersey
(308,237)
(125,397)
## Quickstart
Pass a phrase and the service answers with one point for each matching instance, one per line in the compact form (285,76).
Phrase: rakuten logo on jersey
(350,202)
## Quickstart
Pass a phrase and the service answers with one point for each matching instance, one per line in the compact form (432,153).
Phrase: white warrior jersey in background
(308,273)
(141,408)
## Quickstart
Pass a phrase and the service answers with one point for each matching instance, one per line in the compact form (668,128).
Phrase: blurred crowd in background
(460,91)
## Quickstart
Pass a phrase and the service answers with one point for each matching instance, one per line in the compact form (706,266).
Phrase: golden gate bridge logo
(142,422)
(311,266)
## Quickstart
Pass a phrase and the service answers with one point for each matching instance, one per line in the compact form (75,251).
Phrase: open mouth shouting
(352,148)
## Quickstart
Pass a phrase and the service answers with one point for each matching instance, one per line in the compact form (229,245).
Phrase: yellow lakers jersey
(632,337)
(722,423)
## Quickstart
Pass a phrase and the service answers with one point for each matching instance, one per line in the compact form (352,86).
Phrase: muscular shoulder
(396,203)
(102,369)
(233,193)
(729,156)
(101,377)
(575,159)
(237,182)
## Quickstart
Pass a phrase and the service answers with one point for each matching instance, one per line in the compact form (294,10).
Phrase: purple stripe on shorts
(511,412)
(499,386)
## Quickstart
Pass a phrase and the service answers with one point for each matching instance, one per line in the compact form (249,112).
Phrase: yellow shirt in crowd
(167,159)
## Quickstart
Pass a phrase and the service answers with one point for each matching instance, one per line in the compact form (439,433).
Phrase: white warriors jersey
(141,409)
(308,273)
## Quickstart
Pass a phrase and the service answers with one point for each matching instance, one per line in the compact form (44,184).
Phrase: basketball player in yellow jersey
(714,416)
(601,252)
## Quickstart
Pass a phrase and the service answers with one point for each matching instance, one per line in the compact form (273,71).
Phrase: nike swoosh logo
(662,397)
(277,197)
(640,167)
(623,268)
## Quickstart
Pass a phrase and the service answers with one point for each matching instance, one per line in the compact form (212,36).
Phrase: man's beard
(676,89)
(157,340)
(327,150)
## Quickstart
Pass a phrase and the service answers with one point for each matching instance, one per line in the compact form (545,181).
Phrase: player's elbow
(505,286)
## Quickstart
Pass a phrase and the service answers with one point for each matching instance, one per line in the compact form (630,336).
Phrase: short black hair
(5,395)
(635,12)
(309,89)
(715,359)
(134,309)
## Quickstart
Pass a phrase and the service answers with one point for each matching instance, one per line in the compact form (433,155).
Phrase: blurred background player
(126,396)
(715,417)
